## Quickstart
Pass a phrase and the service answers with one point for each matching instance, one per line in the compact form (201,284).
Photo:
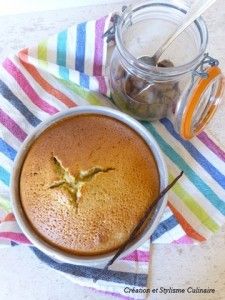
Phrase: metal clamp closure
(110,33)
(200,69)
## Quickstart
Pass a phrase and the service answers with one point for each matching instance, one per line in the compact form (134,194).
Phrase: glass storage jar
(186,86)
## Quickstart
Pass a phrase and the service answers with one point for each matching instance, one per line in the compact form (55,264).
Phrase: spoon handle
(196,10)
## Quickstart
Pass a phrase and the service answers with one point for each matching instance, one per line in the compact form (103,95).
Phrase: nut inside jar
(143,99)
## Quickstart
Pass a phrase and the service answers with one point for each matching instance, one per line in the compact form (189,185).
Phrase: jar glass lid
(202,102)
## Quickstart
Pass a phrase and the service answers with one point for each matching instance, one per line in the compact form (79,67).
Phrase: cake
(85,183)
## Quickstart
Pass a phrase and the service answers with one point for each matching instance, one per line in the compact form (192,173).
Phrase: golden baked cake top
(86,182)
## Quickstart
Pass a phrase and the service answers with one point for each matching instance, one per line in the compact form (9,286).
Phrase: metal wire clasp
(200,69)
(110,33)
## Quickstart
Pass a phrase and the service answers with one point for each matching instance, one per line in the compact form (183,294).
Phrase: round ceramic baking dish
(49,249)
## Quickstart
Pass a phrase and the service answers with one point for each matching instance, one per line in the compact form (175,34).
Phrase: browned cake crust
(86,182)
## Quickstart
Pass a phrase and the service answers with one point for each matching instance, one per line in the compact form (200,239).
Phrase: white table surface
(16,7)
(24,277)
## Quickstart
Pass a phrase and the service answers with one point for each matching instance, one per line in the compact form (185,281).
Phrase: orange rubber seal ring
(202,85)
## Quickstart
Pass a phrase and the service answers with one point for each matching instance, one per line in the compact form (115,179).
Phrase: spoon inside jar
(196,10)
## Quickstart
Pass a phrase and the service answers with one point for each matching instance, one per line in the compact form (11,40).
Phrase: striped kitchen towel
(69,69)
